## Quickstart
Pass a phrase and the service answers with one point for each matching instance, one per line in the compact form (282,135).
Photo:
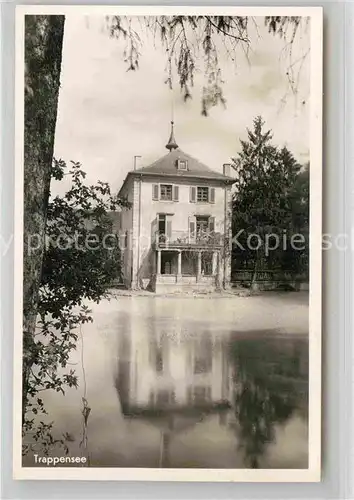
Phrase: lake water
(191,382)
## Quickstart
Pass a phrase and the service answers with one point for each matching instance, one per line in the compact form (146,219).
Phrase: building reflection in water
(176,376)
(172,379)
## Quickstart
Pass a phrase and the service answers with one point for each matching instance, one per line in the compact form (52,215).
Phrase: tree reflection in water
(270,383)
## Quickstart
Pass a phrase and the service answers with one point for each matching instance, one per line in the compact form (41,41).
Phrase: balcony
(185,240)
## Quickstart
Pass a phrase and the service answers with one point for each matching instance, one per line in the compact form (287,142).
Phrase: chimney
(227,169)
(136,157)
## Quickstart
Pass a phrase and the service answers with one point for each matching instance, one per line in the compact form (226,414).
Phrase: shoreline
(223,294)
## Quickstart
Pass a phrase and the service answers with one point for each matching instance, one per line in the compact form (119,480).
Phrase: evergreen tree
(265,205)
(297,260)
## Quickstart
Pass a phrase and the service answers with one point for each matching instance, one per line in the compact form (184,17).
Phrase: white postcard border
(313,473)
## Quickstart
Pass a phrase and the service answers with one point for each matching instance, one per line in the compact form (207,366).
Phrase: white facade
(178,231)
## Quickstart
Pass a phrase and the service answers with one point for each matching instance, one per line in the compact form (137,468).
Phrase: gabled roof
(167,165)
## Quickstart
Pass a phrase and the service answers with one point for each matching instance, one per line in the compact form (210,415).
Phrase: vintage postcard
(168,243)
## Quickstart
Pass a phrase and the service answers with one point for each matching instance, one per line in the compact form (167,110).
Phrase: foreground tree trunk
(43,53)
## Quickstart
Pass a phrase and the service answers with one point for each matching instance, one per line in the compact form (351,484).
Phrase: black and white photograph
(168,239)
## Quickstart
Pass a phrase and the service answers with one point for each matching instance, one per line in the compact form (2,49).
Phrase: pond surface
(183,382)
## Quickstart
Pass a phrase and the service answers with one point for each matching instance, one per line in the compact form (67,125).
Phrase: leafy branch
(66,284)
(186,38)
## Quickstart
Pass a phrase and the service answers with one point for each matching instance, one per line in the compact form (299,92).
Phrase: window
(204,227)
(162,223)
(182,164)
(202,224)
(203,194)
(166,192)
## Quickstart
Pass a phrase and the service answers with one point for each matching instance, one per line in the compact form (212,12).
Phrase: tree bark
(43,54)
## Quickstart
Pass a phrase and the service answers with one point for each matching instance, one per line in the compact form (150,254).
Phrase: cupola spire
(172,144)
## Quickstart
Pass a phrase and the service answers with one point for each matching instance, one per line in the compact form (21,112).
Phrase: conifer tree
(264,202)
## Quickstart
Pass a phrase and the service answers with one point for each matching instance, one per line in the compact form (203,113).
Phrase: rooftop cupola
(172,144)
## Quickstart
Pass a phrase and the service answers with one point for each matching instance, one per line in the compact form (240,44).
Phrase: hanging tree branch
(186,37)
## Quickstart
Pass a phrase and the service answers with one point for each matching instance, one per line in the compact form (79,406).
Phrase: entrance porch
(186,270)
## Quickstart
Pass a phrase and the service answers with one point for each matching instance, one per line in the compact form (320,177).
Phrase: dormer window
(182,165)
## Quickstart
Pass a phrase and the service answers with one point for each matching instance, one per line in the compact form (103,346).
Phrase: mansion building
(177,232)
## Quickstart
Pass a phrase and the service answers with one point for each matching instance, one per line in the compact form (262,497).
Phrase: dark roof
(168,165)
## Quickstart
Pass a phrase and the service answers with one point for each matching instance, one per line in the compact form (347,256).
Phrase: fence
(270,279)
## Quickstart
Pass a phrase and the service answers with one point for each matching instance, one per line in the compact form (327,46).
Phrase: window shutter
(155,191)
(168,228)
(154,227)
(212,195)
(192,194)
(175,193)
(192,229)
(211,224)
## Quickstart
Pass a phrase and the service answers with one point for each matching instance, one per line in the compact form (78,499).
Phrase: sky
(107,114)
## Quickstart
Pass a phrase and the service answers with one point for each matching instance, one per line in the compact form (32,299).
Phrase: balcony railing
(185,239)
